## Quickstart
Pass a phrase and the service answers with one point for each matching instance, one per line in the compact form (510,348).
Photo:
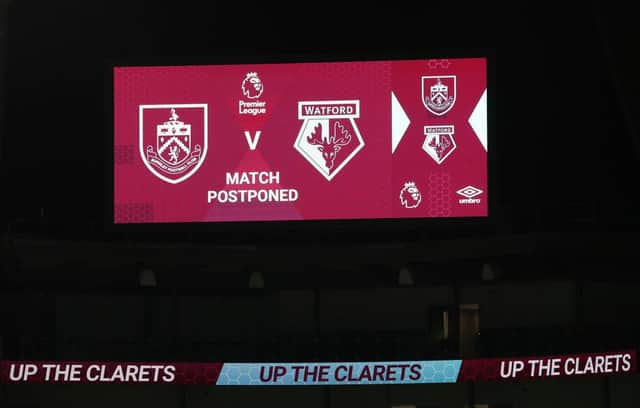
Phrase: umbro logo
(469,192)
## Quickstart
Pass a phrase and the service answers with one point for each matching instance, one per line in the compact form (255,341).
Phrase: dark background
(566,145)
(558,254)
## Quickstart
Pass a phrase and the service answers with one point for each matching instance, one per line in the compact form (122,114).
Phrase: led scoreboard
(378,139)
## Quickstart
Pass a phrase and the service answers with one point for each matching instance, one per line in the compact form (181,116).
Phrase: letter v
(252,142)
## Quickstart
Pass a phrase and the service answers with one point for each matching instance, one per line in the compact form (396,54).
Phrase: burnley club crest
(173,139)
(439,93)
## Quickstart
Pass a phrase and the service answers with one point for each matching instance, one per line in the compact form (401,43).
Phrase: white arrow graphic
(399,122)
(478,120)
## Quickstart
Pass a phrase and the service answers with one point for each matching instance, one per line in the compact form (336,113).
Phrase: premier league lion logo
(410,196)
(252,86)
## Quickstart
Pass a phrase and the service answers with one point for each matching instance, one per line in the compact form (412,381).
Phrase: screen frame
(380,230)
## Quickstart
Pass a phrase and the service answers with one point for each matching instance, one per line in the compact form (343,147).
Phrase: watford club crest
(439,142)
(174,148)
(329,137)
(439,93)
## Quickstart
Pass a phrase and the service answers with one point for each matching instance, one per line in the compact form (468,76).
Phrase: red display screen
(300,141)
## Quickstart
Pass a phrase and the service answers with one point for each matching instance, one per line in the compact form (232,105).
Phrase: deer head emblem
(331,146)
(440,144)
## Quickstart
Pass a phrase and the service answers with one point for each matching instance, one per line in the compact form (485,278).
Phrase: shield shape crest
(439,142)
(329,137)
(439,93)
(173,139)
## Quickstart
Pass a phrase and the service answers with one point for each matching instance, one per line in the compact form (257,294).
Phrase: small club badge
(439,93)
(439,142)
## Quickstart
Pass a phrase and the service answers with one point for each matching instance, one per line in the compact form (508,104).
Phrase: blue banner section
(397,372)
